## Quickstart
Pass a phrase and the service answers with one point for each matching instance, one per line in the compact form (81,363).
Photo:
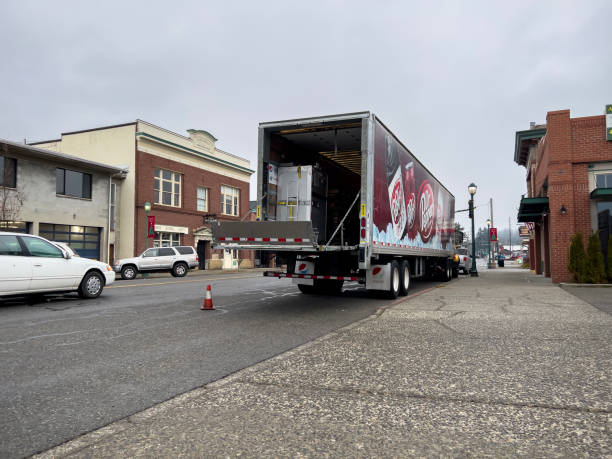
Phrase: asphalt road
(70,366)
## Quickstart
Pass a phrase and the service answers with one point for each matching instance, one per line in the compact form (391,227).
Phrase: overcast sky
(454,80)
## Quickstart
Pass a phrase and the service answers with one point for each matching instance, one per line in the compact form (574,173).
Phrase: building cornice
(193,152)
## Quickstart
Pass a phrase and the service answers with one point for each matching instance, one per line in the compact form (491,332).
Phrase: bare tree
(11,201)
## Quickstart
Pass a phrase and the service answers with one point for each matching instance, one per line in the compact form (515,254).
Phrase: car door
(167,255)
(50,270)
(15,266)
(149,260)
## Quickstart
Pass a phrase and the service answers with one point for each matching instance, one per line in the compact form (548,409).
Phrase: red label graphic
(375,271)
(426,211)
(302,267)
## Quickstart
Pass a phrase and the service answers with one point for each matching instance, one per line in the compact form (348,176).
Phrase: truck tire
(306,289)
(328,287)
(179,269)
(394,280)
(128,272)
(404,278)
(448,271)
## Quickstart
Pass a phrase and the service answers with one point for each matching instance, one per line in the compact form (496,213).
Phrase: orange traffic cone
(208,305)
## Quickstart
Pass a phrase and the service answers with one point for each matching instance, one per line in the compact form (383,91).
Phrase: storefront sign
(171,229)
(523,231)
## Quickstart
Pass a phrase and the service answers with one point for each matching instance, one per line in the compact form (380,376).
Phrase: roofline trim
(190,150)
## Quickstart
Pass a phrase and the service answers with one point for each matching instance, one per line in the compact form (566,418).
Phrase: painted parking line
(184,281)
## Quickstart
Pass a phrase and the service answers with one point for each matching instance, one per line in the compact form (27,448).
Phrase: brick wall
(186,215)
(571,144)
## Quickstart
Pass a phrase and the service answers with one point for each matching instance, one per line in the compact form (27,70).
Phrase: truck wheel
(394,281)
(455,273)
(448,272)
(91,285)
(128,272)
(328,287)
(404,278)
(180,270)
(306,289)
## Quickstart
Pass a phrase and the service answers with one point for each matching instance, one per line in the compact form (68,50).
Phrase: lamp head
(147,206)
(472,188)
(488,222)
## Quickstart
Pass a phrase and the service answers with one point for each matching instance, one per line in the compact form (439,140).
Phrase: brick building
(187,180)
(569,186)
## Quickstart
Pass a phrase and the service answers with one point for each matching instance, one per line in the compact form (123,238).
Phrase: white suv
(31,264)
(176,260)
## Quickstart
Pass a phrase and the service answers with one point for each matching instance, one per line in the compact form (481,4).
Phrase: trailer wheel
(394,281)
(448,271)
(306,289)
(404,278)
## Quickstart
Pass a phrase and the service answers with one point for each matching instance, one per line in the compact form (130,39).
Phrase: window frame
(158,193)
(235,195)
(607,176)
(82,174)
(160,240)
(206,195)
(3,172)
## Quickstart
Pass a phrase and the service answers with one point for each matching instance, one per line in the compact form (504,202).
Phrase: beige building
(187,179)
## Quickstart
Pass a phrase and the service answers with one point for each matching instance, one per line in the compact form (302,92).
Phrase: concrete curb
(565,284)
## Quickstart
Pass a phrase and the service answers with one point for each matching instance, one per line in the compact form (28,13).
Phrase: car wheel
(128,272)
(179,270)
(91,285)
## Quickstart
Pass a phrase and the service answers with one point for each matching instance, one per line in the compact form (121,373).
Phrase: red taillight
(363,222)
(363,234)
(197,258)
(464,258)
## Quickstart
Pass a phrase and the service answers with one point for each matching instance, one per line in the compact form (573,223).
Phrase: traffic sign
(493,234)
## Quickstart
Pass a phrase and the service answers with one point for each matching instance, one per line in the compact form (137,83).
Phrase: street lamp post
(489,239)
(472,190)
(147,209)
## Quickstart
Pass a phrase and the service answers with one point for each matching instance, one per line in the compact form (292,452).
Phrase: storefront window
(166,239)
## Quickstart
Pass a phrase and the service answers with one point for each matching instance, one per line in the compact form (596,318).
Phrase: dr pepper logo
(426,211)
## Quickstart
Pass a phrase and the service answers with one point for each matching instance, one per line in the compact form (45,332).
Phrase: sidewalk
(505,364)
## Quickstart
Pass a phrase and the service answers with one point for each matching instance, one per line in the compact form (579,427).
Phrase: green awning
(601,193)
(531,209)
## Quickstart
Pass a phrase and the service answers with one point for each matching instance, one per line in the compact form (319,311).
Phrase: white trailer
(341,198)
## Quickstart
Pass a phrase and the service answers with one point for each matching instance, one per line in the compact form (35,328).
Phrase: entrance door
(202,245)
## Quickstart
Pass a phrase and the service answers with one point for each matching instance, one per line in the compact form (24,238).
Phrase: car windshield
(462,251)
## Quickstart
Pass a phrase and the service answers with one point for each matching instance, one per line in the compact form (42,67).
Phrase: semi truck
(341,198)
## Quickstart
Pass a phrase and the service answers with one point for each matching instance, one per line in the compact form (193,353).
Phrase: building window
(202,199)
(72,183)
(113,197)
(166,239)
(603,180)
(229,200)
(8,172)
(167,188)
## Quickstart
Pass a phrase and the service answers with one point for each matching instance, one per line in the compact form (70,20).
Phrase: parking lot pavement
(504,364)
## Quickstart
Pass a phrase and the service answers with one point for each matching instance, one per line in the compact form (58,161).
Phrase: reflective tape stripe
(309,276)
(262,239)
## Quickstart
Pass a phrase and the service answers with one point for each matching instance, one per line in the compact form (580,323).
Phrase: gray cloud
(454,80)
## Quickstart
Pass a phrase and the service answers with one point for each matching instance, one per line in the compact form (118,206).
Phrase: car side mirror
(66,254)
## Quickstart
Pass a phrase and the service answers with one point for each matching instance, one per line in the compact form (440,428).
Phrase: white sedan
(31,264)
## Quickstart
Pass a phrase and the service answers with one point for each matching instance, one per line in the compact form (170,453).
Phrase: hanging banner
(151,226)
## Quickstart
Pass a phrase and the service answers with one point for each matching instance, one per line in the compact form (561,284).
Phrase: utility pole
(492,265)
(510,233)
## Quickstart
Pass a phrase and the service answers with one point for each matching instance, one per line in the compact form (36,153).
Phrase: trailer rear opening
(339,198)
